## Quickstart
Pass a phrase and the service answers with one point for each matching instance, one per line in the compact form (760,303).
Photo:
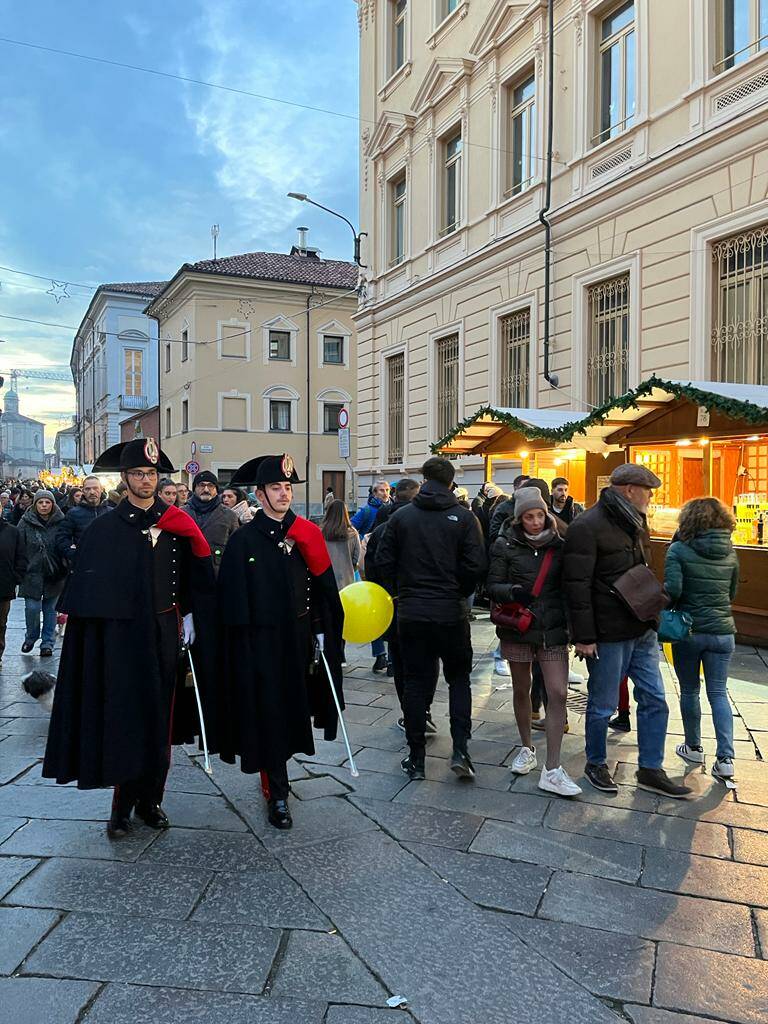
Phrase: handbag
(641,592)
(512,614)
(674,625)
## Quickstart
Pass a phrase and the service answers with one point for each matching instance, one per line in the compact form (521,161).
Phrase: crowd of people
(205,572)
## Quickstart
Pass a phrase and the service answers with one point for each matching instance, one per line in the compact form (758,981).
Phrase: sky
(109,174)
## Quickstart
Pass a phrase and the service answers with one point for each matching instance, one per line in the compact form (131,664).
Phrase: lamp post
(357,235)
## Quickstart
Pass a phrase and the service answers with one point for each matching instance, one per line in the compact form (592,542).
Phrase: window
(740,318)
(184,345)
(279,416)
(515,358)
(396,408)
(168,424)
(452,184)
(134,380)
(522,135)
(742,30)
(399,10)
(398,221)
(234,414)
(608,353)
(185,416)
(233,338)
(447,353)
(331,412)
(617,72)
(333,348)
(168,358)
(279,345)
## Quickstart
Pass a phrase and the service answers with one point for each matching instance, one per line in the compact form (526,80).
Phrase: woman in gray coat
(44,579)
(343,542)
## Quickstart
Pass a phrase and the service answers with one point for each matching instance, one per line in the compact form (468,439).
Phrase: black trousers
(274,783)
(398,672)
(424,645)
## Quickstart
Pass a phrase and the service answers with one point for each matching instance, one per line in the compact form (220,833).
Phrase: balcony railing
(134,402)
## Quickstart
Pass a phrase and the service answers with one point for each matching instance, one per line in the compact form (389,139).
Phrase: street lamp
(302,198)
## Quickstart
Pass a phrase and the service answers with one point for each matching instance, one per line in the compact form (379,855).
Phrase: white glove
(188,630)
(321,641)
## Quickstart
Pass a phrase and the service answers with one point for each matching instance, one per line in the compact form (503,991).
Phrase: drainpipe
(309,404)
(551,378)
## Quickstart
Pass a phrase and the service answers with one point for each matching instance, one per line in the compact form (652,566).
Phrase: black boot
(621,722)
(279,815)
(119,824)
(152,815)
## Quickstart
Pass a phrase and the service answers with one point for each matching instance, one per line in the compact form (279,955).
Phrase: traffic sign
(208,448)
(343,418)
(344,448)
(193,448)
(192,467)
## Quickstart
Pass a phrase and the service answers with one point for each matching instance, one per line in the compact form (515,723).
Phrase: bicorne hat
(266,469)
(131,455)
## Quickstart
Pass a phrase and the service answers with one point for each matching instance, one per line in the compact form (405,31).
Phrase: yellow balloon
(368,611)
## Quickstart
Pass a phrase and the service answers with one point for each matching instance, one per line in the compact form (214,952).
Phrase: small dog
(40,685)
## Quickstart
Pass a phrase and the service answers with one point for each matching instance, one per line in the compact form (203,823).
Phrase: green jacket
(702,576)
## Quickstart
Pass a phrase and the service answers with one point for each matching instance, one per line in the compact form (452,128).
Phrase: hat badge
(151,451)
(286,466)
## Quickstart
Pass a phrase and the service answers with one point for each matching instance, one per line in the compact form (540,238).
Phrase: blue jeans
(32,608)
(713,651)
(638,659)
(378,648)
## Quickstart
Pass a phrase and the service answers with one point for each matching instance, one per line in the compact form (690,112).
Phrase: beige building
(258,356)
(659,207)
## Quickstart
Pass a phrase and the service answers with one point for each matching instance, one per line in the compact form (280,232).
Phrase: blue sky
(113,175)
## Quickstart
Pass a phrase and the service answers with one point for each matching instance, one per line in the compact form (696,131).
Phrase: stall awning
(498,431)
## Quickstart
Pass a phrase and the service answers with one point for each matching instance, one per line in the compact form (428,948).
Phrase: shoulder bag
(674,625)
(514,615)
(641,592)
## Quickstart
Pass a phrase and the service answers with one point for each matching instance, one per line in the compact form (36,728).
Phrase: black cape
(111,719)
(271,603)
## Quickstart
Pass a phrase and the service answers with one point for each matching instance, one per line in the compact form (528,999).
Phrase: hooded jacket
(701,576)
(363,520)
(570,510)
(431,555)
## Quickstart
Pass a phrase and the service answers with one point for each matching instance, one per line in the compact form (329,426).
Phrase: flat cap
(631,473)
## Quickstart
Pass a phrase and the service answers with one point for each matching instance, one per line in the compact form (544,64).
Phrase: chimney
(303,232)
(302,247)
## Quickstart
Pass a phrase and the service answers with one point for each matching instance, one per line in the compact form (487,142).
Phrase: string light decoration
(246,307)
(59,291)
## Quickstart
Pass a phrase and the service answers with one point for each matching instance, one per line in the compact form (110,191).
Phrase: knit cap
(526,499)
(43,494)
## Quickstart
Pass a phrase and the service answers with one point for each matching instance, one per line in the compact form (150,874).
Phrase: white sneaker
(574,679)
(723,768)
(501,667)
(693,754)
(525,761)
(557,780)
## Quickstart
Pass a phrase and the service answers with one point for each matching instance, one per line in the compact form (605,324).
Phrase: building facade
(22,441)
(258,357)
(65,446)
(114,364)
(659,208)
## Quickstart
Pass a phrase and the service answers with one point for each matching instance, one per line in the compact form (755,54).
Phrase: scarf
(616,501)
(203,508)
(540,540)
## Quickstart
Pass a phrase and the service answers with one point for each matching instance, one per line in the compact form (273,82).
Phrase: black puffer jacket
(515,564)
(600,546)
(44,576)
(431,554)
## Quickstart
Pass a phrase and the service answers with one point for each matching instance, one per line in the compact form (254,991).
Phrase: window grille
(447,384)
(515,357)
(740,320)
(608,354)
(396,409)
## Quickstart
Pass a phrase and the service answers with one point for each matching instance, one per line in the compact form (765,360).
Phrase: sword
(352,766)
(203,737)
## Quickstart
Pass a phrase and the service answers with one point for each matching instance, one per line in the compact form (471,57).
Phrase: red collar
(175,520)
(311,544)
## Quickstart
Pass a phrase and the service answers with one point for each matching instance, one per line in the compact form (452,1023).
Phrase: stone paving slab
(111,887)
(483,752)
(705,982)
(319,786)
(132,1004)
(420,961)
(718,807)
(363,1015)
(620,970)
(313,822)
(362,714)
(487,881)
(374,785)
(605,858)
(761,920)
(705,876)
(34,727)
(750,846)
(218,851)
(21,929)
(89,839)
(422,824)
(26,709)
(650,1015)
(470,799)
(437,770)
(59,802)
(12,767)
(319,965)
(328,753)
(12,870)
(726,927)
(9,825)
(103,947)
(193,810)
(634,827)
(269,898)
(43,1000)
(190,780)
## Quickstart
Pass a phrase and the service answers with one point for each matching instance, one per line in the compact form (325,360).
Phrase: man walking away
(217,523)
(432,555)
(600,547)
(563,505)
(78,519)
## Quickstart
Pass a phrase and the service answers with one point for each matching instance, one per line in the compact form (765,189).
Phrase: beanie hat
(205,477)
(526,499)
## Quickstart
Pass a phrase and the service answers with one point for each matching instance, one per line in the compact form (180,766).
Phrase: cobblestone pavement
(478,901)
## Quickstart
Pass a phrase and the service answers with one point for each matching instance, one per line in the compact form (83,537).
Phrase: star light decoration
(59,291)
(246,307)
